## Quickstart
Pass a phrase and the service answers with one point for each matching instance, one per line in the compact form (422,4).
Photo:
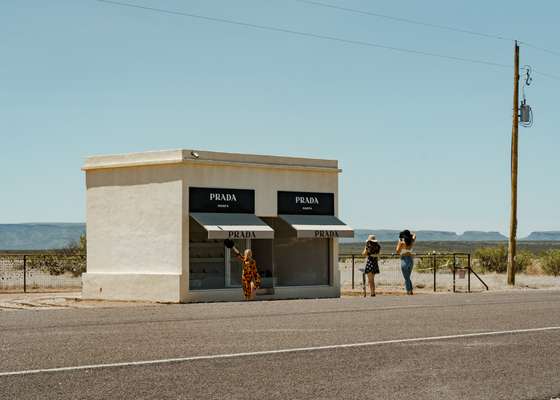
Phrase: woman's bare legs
(371,281)
(253,291)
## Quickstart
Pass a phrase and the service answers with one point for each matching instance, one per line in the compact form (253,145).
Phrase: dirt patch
(53,301)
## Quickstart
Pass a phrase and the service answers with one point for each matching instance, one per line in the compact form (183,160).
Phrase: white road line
(280,351)
(280,330)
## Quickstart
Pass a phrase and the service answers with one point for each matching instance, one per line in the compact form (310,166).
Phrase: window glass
(301,261)
(296,262)
(206,259)
(235,264)
(211,266)
(263,253)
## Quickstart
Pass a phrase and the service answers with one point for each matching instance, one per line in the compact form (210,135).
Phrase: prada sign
(231,233)
(326,234)
(219,200)
(305,203)
(241,235)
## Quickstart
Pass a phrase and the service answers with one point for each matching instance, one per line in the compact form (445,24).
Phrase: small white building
(156,224)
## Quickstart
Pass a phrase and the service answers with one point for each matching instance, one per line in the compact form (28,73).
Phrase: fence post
(434,268)
(469,271)
(453,273)
(24,273)
(352,271)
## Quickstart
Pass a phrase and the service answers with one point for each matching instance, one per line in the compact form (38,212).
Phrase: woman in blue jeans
(404,249)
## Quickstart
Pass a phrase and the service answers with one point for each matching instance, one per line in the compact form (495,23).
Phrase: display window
(302,262)
(297,261)
(211,265)
(291,249)
(217,214)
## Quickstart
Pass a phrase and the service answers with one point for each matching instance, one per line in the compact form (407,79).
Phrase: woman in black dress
(371,250)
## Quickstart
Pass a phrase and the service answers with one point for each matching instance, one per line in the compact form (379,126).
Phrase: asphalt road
(511,362)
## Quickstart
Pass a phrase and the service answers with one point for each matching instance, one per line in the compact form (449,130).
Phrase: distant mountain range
(46,236)
(39,236)
(387,235)
(545,235)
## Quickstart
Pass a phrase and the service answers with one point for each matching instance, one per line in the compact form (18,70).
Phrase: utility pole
(514,143)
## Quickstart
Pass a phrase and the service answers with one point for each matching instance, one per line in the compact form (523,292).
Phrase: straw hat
(371,238)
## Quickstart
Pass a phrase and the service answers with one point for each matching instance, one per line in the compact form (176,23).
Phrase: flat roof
(189,156)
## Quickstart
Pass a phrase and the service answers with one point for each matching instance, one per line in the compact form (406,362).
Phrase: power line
(306,34)
(426,24)
(405,20)
(545,74)
(317,36)
(553,52)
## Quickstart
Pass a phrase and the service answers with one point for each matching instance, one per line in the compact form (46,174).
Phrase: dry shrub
(534,268)
(550,262)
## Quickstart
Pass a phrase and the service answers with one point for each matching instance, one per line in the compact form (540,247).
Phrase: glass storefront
(292,249)
(263,252)
(284,261)
(297,262)
(211,266)
(301,262)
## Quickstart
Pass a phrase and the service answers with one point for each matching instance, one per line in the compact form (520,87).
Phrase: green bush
(423,264)
(71,259)
(494,259)
(550,262)
(523,260)
(57,263)
(444,262)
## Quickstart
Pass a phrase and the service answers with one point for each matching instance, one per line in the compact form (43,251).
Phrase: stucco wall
(266,181)
(134,220)
(137,220)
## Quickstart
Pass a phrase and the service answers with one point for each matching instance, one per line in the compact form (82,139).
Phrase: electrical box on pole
(525,113)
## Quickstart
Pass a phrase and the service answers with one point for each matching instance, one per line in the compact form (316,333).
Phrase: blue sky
(423,142)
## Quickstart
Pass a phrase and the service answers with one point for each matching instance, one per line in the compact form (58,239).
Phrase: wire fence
(447,271)
(41,272)
(63,271)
